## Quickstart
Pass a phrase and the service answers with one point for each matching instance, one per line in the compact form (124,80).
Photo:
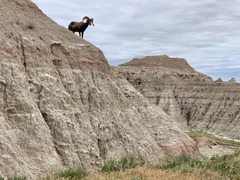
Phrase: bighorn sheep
(80,27)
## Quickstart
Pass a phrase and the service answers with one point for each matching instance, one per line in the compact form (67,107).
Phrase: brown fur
(80,27)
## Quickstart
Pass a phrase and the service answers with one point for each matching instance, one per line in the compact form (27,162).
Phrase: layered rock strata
(190,97)
(60,106)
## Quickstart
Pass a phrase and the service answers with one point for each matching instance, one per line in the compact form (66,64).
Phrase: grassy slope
(174,168)
(182,167)
(147,173)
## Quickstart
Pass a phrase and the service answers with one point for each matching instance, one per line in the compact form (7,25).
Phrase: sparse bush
(129,161)
(175,162)
(126,162)
(110,166)
(73,173)
(16,177)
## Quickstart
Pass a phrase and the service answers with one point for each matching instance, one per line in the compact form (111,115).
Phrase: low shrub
(73,173)
(126,162)
(16,177)
(174,162)
(226,165)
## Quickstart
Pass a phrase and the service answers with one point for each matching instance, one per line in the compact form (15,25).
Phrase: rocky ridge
(61,106)
(190,97)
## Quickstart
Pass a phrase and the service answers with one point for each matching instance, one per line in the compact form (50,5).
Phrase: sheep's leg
(82,34)
(79,34)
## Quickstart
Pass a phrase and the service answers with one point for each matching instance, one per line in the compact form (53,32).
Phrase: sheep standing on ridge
(80,27)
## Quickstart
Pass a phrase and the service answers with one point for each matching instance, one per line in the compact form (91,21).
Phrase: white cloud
(206,32)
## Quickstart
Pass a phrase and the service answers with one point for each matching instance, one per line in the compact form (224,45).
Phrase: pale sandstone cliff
(61,106)
(190,97)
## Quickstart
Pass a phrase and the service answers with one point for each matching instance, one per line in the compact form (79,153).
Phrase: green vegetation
(181,167)
(126,162)
(15,177)
(72,173)
(227,166)
(180,163)
(220,141)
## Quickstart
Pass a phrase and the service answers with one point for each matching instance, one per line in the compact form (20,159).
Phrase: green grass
(181,167)
(182,164)
(14,177)
(72,173)
(126,162)
(220,141)
(227,166)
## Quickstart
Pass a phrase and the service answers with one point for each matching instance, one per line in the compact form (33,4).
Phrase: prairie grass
(181,167)
(148,173)
(72,173)
(173,168)
(16,177)
(126,162)
(226,166)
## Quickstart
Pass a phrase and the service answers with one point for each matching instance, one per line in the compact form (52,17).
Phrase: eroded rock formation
(61,106)
(190,97)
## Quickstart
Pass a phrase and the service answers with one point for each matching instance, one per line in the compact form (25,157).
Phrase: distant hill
(188,96)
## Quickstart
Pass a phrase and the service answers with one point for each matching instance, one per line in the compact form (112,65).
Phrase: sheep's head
(89,20)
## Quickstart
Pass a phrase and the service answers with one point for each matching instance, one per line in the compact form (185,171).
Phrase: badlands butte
(193,99)
(61,104)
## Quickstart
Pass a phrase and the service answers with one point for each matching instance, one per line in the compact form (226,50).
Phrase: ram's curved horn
(85,17)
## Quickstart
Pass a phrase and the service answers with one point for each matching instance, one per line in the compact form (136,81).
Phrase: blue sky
(206,33)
